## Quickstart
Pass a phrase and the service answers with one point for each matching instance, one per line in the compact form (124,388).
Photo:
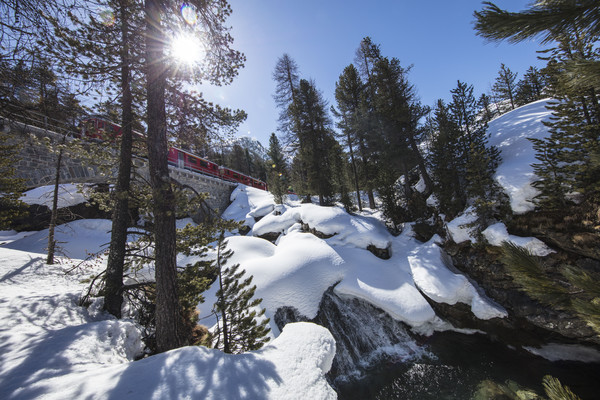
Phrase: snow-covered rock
(497,233)
(441,285)
(68,195)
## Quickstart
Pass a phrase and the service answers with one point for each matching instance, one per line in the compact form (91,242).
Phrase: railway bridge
(37,165)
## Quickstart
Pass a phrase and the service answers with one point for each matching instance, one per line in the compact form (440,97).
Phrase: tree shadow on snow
(197,373)
(46,358)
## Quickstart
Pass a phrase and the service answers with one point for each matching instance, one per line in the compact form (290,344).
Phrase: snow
(354,230)
(510,133)
(68,195)
(496,234)
(53,348)
(77,239)
(566,352)
(443,286)
(458,229)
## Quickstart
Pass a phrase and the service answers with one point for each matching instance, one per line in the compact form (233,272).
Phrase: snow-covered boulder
(497,233)
(441,285)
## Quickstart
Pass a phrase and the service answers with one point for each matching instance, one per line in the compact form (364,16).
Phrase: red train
(97,128)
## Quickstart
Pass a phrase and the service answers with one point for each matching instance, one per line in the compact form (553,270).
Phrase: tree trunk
(168,318)
(354,172)
(223,305)
(120,219)
(54,215)
(422,166)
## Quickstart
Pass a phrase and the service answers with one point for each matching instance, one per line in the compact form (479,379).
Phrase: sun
(187,49)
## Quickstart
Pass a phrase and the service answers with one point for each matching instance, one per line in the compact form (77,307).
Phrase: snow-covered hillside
(53,348)
(510,133)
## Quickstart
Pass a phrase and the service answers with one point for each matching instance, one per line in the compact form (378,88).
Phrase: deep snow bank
(510,133)
(291,367)
(298,270)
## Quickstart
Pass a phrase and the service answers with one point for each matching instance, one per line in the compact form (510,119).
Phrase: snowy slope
(54,349)
(509,133)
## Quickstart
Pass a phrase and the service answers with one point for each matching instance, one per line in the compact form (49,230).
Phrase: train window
(203,163)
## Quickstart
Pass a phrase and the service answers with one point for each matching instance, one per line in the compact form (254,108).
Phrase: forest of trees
(412,161)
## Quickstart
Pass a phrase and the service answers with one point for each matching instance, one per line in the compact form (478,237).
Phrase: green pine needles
(581,295)
(242,325)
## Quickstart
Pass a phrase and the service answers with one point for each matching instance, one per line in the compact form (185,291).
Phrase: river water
(458,366)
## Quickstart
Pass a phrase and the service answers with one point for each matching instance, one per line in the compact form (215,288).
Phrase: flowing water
(380,358)
(458,366)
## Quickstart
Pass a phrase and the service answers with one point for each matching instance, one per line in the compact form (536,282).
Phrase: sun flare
(187,49)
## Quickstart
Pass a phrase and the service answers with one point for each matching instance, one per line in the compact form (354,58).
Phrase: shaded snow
(68,195)
(77,239)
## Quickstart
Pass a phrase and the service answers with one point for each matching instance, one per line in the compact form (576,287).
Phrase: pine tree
(219,66)
(548,20)
(505,85)
(485,104)
(464,110)
(349,94)
(11,187)
(529,89)
(314,136)
(478,161)
(566,167)
(277,175)
(241,326)
(446,163)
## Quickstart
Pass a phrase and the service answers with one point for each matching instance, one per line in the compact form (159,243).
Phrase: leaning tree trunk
(113,298)
(169,325)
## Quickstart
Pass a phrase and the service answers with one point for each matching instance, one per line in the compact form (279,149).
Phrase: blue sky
(435,36)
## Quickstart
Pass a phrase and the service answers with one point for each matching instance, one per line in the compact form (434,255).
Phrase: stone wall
(37,165)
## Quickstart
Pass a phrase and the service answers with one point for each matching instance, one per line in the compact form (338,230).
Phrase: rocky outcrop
(529,321)
(364,334)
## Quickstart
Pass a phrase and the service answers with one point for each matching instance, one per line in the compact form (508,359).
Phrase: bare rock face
(528,319)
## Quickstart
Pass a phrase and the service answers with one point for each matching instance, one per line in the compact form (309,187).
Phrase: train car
(95,127)
(183,159)
(99,128)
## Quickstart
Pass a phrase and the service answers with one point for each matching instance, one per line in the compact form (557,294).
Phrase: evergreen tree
(11,187)
(349,94)
(239,328)
(548,20)
(277,169)
(446,163)
(529,89)
(286,76)
(485,104)
(367,55)
(315,137)
(566,167)
(464,110)
(219,66)
(505,85)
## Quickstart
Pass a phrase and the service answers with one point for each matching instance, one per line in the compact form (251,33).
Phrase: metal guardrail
(16,113)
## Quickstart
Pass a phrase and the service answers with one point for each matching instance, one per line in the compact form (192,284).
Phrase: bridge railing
(16,113)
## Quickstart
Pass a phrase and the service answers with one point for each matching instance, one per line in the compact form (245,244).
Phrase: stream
(455,366)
